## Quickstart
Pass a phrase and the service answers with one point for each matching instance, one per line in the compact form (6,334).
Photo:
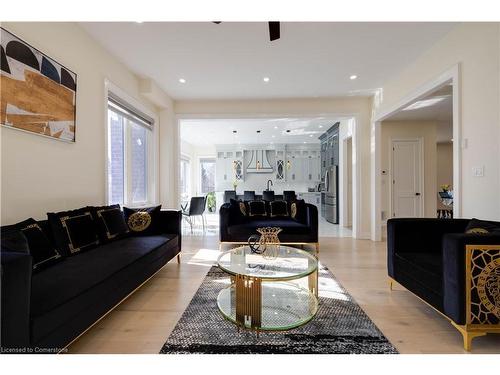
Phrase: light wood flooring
(143,322)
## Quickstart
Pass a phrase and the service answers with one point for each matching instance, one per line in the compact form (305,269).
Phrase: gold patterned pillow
(142,221)
(243,208)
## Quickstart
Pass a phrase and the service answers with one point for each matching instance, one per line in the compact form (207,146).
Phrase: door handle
(417,193)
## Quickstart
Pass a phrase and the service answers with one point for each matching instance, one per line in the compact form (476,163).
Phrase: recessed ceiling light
(273,136)
(305,142)
(182,80)
(320,126)
(276,127)
(354,76)
(265,79)
(139,21)
(310,135)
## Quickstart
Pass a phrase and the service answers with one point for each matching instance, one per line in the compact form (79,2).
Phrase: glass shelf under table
(283,306)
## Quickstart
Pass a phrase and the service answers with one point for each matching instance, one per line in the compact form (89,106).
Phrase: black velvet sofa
(430,258)
(44,311)
(234,230)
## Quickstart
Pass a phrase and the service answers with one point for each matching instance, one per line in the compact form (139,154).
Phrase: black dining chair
(289,195)
(196,208)
(228,195)
(249,195)
(268,195)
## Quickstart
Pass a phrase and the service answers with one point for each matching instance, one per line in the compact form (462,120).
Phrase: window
(185,178)
(129,154)
(207,177)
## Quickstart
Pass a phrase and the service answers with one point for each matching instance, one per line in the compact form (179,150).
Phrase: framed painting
(37,94)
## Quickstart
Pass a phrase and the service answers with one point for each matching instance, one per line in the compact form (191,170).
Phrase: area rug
(339,327)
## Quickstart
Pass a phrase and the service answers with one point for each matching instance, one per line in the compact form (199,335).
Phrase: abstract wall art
(37,94)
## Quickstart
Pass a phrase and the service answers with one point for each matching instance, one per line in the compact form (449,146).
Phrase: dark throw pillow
(256,208)
(41,249)
(237,211)
(143,221)
(278,208)
(12,239)
(74,231)
(110,222)
(477,226)
(298,210)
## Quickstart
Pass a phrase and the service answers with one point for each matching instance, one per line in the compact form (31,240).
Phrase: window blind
(125,109)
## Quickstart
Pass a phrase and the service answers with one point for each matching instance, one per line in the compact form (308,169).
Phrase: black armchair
(431,258)
(196,208)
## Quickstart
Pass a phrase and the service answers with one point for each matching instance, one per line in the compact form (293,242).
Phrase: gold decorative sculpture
(269,243)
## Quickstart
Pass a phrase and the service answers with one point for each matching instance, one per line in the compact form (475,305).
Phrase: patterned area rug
(339,327)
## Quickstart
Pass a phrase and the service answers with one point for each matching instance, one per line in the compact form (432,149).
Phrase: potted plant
(211,204)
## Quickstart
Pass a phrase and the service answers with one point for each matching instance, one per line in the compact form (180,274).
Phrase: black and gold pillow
(142,221)
(278,208)
(110,222)
(29,237)
(74,231)
(257,208)
(298,210)
(476,226)
(243,208)
(238,210)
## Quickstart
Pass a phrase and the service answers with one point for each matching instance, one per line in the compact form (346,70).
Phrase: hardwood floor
(142,323)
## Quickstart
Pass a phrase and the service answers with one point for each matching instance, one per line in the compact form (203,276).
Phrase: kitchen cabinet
(295,165)
(228,168)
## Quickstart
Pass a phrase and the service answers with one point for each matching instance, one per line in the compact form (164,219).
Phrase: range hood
(258,162)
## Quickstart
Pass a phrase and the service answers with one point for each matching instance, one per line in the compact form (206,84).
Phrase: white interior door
(407,197)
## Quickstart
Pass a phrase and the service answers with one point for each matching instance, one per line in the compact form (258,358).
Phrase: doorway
(435,106)
(406,178)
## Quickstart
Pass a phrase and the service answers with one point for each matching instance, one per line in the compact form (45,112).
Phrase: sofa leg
(390,284)
(468,336)
(179,258)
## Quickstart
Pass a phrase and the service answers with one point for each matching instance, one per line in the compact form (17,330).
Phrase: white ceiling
(229,60)
(441,111)
(212,131)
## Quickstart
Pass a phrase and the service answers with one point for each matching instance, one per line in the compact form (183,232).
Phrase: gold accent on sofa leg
(390,284)
(468,336)
(179,258)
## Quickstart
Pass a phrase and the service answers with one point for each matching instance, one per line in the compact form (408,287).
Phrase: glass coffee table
(269,294)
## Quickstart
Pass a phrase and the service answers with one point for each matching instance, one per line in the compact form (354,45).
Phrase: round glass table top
(288,264)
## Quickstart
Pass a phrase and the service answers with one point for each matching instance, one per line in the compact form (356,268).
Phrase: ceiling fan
(274,29)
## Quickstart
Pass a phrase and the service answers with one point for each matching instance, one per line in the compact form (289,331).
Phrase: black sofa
(428,257)
(44,311)
(234,230)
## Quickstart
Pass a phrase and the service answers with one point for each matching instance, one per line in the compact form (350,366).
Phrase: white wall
(444,168)
(359,107)
(476,47)
(410,129)
(41,174)
(345,174)
(194,153)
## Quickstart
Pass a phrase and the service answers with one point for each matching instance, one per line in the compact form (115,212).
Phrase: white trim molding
(449,77)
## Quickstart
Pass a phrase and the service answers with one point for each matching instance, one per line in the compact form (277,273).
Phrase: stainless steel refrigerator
(329,202)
